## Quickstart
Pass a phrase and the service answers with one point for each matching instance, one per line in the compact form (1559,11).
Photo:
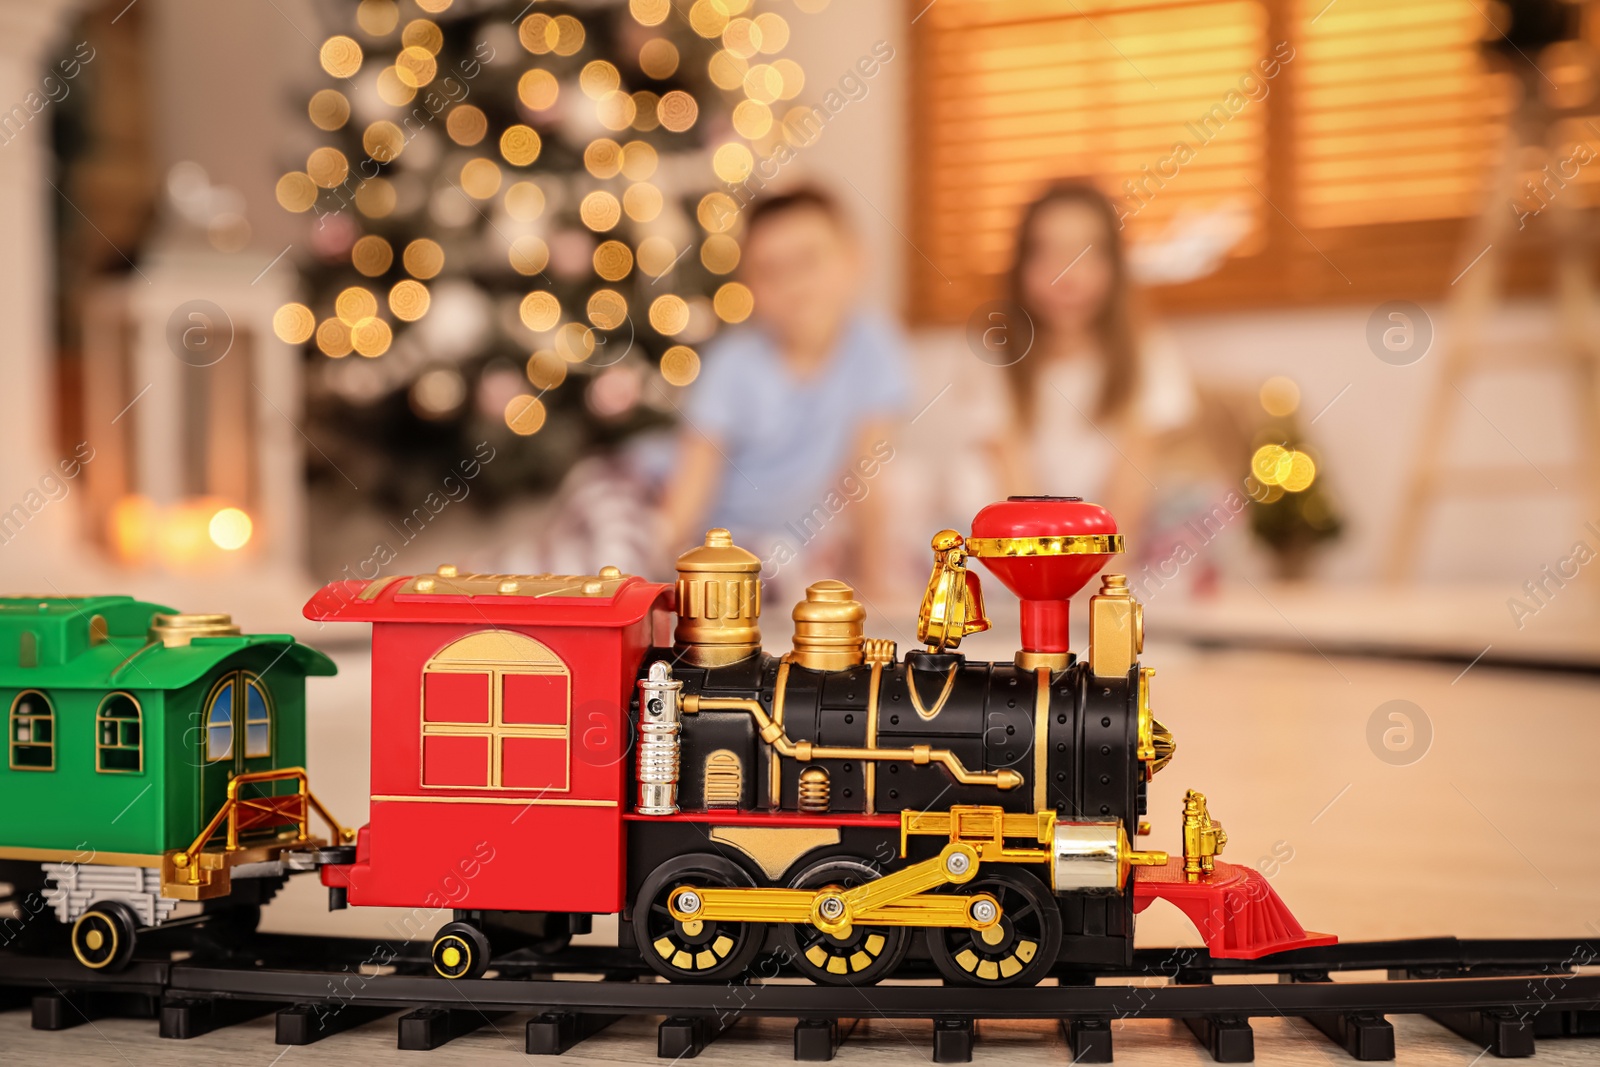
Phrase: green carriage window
(33,732)
(257,719)
(219,723)
(119,742)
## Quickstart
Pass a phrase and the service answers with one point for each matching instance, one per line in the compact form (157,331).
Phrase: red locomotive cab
(499,737)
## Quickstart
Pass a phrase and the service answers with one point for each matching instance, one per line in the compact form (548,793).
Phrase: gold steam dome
(719,603)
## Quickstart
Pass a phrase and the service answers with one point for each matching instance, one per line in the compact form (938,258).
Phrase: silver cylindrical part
(1087,855)
(660,710)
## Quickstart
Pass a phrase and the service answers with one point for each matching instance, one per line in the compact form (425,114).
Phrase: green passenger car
(152,757)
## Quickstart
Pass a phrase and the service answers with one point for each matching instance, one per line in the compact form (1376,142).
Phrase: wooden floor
(1492,831)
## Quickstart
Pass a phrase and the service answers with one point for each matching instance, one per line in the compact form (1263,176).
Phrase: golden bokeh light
(340,56)
(296,191)
(424,34)
(524,201)
(658,58)
(377,17)
(574,342)
(546,370)
(793,76)
(565,35)
(383,141)
(763,83)
(650,12)
(603,158)
(669,314)
(742,37)
(409,300)
(371,337)
(230,529)
(732,162)
(717,212)
(329,110)
(598,78)
(733,302)
(811,7)
(607,309)
(355,304)
(333,338)
(613,260)
(1271,464)
(415,67)
(538,90)
(656,256)
(540,311)
(616,110)
(642,201)
(327,166)
(709,17)
(375,198)
(678,111)
(1280,396)
(466,125)
(638,160)
(680,365)
(525,414)
(646,111)
(372,255)
(480,178)
(520,145)
(423,258)
(433,7)
(774,32)
(528,255)
(393,91)
(294,324)
(719,253)
(535,33)
(1302,472)
(727,70)
(600,211)
(752,120)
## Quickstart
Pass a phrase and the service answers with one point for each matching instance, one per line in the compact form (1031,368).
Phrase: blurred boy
(788,426)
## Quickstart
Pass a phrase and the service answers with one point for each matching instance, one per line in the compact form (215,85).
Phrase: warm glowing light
(466,125)
(520,145)
(574,342)
(535,33)
(1302,472)
(717,212)
(525,414)
(409,300)
(656,256)
(646,108)
(613,260)
(132,527)
(1280,396)
(540,311)
(294,324)
(383,141)
(669,315)
(546,370)
(733,302)
(638,160)
(415,67)
(528,254)
(678,111)
(658,58)
(650,12)
(680,365)
(1270,464)
(371,337)
(600,211)
(296,191)
(603,158)
(742,37)
(752,120)
(341,56)
(375,199)
(524,201)
(732,162)
(719,253)
(327,167)
(793,75)
(328,109)
(423,258)
(708,17)
(377,17)
(616,110)
(230,529)
(763,83)
(565,34)
(774,32)
(727,70)
(355,304)
(372,255)
(424,34)
(598,78)
(333,338)
(480,178)
(642,201)
(607,309)
(392,90)
(538,89)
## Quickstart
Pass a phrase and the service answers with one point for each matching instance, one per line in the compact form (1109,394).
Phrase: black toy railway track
(1502,995)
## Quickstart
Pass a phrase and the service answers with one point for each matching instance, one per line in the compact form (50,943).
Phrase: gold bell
(952,607)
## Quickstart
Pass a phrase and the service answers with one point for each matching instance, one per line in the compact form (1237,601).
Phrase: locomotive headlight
(1095,855)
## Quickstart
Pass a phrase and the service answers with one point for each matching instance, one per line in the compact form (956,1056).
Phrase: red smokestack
(1044,548)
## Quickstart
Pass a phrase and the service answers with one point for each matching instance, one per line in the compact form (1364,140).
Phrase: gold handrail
(188,859)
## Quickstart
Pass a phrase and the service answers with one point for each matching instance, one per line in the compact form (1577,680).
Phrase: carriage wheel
(460,950)
(103,936)
(869,954)
(694,950)
(1018,950)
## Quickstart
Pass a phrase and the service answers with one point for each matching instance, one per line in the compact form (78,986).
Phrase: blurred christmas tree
(520,227)
(1292,511)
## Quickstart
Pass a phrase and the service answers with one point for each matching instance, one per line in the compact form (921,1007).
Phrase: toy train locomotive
(548,748)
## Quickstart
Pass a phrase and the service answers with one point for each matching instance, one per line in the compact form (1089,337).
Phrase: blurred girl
(1092,396)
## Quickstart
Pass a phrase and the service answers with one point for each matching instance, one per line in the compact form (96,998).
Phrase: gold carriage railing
(245,815)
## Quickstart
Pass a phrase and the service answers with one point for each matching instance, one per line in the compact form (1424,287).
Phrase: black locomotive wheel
(867,955)
(1018,950)
(696,950)
(103,936)
(460,950)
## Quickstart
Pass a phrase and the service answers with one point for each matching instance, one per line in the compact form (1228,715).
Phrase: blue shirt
(789,441)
